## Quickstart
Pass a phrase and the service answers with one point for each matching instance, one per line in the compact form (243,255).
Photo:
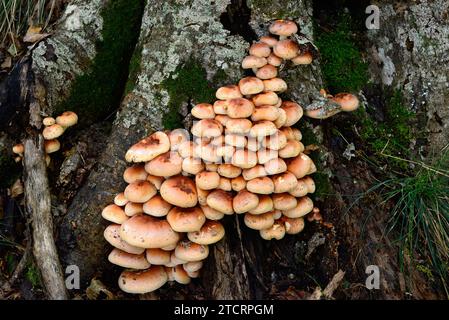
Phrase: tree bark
(170,37)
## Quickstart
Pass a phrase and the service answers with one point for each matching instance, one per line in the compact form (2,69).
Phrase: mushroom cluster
(241,156)
(53,129)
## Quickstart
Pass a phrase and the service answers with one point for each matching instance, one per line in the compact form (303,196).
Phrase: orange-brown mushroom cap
(147,232)
(128,260)
(148,148)
(186,219)
(179,191)
(211,232)
(145,281)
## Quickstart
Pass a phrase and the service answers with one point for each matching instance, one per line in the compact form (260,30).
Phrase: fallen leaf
(7,63)
(34,35)
(96,287)
(16,189)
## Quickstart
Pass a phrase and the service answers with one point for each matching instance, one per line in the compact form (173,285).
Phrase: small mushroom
(348,102)
(112,235)
(157,256)
(268,71)
(262,185)
(276,231)
(67,119)
(156,207)
(284,201)
(128,260)
(149,148)
(240,108)
(284,182)
(132,208)
(304,206)
(211,232)
(165,165)
(145,281)
(147,232)
(207,128)
(120,199)
(259,221)
(228,92)
(191,251)
(244,159)
(186,219)
(135,173)
(221,201)
(265,205)
(274,60)
(253,62)
(203,111)
(293,225)
(179,191)
(48,121)
(286,49)
(302,59)
(294,112)
(300,165)
(269,40)
(207,180)
(245,201)
(250,85)
(229,171)
(238,183)
(140,191)
(52,132)
(283,28)
(265,98)
(259,49)
(114,214)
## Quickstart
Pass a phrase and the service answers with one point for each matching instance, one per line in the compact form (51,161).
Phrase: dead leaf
(96,287)
(34,35)
(7,63)
(16,189)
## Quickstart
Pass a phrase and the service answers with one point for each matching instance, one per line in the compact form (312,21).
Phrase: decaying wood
(38,206)
(231,280)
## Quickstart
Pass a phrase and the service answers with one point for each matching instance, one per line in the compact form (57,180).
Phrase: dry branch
(38,206)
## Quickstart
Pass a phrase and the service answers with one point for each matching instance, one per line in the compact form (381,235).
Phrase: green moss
(426,271)
(98,92)
(341,60)
(33,276)
(134,68)
(393,135)
(187,84)
(9,170)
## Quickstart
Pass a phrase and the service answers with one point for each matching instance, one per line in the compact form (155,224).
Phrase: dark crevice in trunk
(236,19)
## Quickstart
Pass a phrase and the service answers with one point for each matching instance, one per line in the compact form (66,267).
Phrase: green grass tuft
(341,61)
(391,136)
(187,84)
(420,215)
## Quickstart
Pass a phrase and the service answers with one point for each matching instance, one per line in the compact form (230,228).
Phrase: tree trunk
(176,35)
